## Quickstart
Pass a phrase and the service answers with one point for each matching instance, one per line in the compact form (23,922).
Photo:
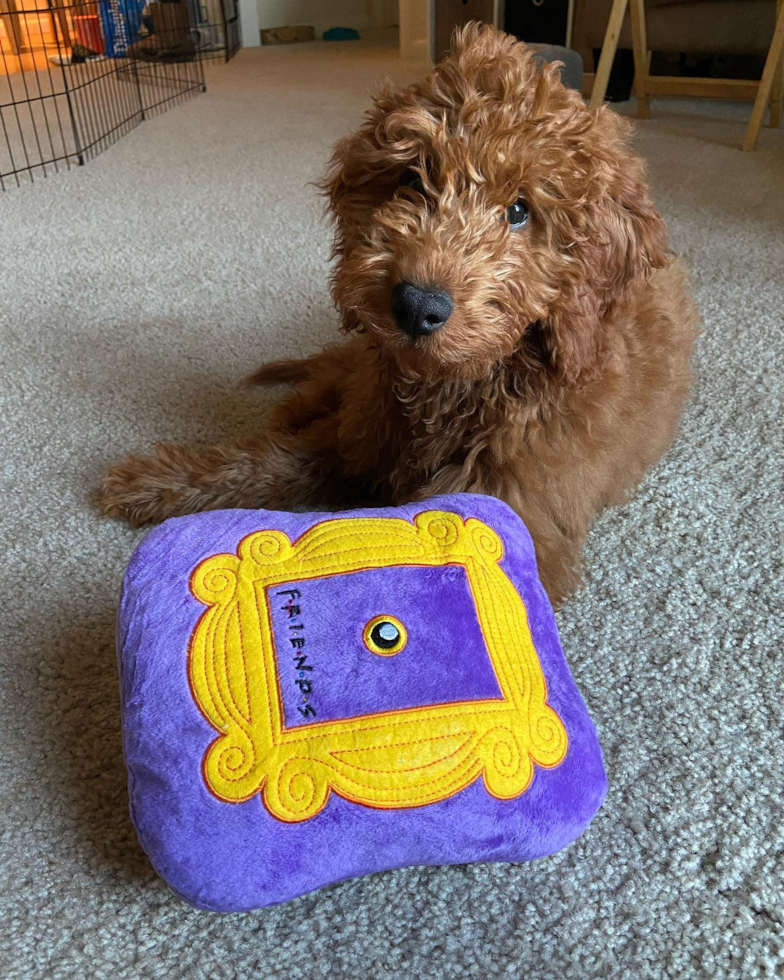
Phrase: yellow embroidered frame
(391,759)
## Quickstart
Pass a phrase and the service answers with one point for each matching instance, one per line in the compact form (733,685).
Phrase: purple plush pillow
(310,697)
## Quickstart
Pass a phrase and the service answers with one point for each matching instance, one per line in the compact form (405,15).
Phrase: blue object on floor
(341,34)
(122,23)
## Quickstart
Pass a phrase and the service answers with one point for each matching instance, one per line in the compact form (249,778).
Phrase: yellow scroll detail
(392,759)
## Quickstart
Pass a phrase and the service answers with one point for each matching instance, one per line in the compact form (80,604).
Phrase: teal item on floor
(341,34)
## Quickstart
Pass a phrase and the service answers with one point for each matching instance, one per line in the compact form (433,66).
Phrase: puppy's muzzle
(420,310)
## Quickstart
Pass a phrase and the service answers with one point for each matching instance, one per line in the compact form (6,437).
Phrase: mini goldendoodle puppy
(518,325)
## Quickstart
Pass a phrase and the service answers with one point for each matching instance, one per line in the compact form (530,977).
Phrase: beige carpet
(136,292)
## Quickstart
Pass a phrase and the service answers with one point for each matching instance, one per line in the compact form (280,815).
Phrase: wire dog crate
(77,76)
(217,24)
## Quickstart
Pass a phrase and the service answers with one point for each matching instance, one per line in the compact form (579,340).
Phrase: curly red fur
(561,373)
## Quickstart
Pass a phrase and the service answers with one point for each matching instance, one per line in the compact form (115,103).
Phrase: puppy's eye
(517,213)
(412,179)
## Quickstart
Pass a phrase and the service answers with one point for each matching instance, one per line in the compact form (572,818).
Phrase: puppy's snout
(420,310)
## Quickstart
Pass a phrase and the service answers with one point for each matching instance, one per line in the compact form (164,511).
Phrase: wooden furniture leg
(610,46)
(13,25)
(57,7)
(640,45)
(777,92)
(766,82)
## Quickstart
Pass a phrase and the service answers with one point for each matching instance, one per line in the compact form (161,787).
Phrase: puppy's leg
(293,462)
(181,480)
(276,471)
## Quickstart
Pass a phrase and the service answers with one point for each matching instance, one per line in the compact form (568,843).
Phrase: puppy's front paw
(141,489)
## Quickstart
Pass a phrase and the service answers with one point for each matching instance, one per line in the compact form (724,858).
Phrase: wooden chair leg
(52,24)
(58,7)
(13,26)
(777,92)
(610,46)
(56,14)
(640,45)
(766,83)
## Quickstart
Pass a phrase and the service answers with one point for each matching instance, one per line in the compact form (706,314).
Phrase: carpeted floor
(136,293)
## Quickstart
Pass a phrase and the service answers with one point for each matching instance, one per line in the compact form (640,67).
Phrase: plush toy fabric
(311,697)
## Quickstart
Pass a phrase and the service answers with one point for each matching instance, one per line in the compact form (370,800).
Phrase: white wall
(415,28)
(249,23)
(323,14)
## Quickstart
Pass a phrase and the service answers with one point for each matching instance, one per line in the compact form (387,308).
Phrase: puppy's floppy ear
(624,220)
(571,339)
(334,186)
(357,178)
(619,240)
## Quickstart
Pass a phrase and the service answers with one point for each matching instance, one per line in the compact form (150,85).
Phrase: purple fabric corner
(236,856)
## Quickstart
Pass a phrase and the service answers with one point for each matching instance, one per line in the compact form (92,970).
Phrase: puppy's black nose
(420,310)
